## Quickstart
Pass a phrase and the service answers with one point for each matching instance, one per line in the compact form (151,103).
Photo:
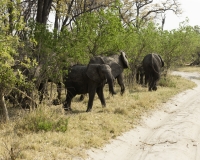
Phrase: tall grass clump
(167,81)
(43,119)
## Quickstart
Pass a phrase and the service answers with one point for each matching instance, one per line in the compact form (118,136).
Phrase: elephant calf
(140,75)
(152,64)
(89,79)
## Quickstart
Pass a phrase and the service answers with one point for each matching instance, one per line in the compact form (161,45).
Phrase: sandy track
(172,133)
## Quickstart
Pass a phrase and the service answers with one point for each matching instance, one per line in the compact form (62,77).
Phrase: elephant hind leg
(67,103)
(82,97)
(154,88)
(151,82)
(156,77)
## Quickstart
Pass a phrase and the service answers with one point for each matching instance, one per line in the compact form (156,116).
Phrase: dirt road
(172,133)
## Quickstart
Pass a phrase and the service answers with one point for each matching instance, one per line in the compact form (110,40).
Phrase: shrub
(167,82)
(43,119)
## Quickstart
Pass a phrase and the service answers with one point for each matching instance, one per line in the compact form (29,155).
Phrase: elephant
(117,63)
(91,79)
(152,64)
(141,78)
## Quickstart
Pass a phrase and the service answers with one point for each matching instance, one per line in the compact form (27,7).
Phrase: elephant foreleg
(101,96)
(91,99)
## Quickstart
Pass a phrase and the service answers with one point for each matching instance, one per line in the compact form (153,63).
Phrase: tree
(179,45)
(67,11)
(139,12)
(43,10)
(8,50)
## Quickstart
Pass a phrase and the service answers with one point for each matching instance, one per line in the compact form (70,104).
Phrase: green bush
(43,119)
(167,82)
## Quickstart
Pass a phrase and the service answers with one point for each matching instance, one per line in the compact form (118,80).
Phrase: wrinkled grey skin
(117,63)
(152,64)
(89,79)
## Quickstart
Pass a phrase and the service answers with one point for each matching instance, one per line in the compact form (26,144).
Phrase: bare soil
(170,133)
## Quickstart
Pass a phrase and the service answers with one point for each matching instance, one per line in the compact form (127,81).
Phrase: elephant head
(117,64)
(101,73)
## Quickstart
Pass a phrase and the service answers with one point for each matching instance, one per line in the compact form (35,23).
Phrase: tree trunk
(11,16)
(39,11)
(43,9)
(56,23)
(3,108)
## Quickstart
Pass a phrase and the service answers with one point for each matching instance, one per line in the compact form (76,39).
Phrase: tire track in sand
(172,133)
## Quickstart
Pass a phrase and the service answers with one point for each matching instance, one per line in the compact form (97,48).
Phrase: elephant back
(158,60)
(116,62)
(75,73)
(153,62)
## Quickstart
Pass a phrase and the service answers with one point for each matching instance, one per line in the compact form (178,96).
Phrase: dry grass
(188,69)
(84,130)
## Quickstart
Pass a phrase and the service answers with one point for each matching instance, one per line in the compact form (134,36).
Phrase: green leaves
(98,32)
(178,46)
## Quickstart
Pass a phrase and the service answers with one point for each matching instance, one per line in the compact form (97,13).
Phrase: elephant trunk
(110,80)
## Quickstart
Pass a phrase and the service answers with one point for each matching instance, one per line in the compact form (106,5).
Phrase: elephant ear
(116,68)
(124,59)
(93,72)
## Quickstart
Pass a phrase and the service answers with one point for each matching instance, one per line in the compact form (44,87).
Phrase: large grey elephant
(152,64)
(82,79)
(117,63)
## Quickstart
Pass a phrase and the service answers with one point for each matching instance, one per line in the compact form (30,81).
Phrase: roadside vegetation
(79,31)
(188,69)
(49,133)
